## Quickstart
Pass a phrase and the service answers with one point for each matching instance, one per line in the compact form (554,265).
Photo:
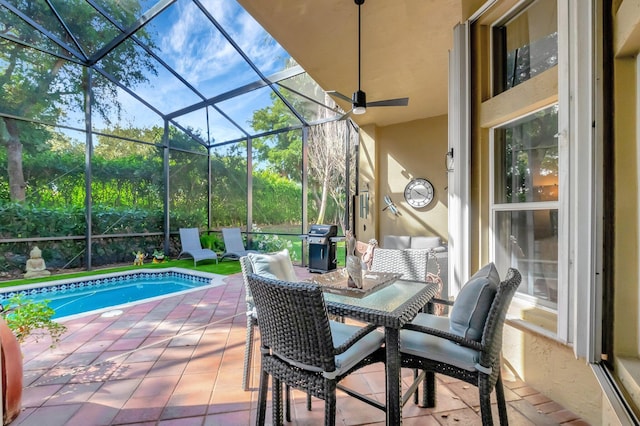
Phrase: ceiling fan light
(359,102)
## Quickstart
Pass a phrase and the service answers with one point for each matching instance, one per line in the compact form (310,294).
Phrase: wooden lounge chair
(233,245)
(190,241)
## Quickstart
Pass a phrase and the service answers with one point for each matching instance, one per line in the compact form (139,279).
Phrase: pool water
(72,298)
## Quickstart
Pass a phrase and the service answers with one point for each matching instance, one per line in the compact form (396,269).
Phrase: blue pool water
(72,298)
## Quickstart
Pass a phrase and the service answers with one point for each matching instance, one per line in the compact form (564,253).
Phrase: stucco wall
(626,212)
(403,152)
(552,369)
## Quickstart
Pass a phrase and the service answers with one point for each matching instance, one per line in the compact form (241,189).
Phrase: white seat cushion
(397,242)
(273,265)
(425,242)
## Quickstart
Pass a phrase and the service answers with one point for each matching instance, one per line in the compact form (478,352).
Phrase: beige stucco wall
(402,152)
(551,368)
(626,212)
(626,257)
(366,227)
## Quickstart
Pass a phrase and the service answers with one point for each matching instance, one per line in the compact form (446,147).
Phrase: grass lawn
(223,267)
(226,267)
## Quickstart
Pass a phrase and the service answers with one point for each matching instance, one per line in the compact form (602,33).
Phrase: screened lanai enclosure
(123,121)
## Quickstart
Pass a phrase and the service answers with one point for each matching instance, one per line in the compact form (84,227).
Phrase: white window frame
(580,140)
(527,299)
(580,130)
(638,176)
(459,215)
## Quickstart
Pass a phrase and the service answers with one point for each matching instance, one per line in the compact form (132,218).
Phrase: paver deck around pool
(178,361)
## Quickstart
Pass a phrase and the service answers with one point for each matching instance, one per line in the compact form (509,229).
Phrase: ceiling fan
(359,98)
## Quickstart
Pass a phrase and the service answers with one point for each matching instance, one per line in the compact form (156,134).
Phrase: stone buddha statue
(35,265)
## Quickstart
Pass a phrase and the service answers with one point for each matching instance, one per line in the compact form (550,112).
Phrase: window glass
(528,241)
(526,45)
(525,202)
(526,159)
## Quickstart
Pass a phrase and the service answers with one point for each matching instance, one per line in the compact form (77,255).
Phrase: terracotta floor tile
(185,421)
(35,396)
(179,362)
(177,408)
(124,344)
(54,415)
(563,416)
(93,414)
(73,394)
(233,418)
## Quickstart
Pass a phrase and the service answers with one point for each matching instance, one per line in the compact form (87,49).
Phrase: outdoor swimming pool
(108,291)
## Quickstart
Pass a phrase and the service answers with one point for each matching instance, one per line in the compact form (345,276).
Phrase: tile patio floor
(179,361)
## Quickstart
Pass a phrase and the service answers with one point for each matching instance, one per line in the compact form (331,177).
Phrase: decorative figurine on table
(158,256)
(354,264)
(139,260)
(367,257)
(35,265)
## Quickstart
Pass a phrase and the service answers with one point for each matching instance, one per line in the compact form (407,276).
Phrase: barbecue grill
(322,247)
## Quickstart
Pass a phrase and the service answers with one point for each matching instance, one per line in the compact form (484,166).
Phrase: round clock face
(418,193)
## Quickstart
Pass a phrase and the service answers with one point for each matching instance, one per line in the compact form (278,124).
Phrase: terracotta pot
(11,373)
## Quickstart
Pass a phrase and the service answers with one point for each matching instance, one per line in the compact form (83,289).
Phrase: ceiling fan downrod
(359,98)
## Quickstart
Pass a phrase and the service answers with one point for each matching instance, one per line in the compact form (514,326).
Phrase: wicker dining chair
(252,322)
(302,348)
(467,344)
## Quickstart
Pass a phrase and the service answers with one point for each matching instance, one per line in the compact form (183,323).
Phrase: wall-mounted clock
(419,193)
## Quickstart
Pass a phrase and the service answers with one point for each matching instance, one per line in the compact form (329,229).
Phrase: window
(525,202)
(525,45)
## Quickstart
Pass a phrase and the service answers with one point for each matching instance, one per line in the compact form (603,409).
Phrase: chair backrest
(232,239)
(302,336)
(412,264)
(247,269)
(190,239)
(494,325)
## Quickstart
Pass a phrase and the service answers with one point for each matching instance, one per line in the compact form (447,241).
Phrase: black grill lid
(323,230)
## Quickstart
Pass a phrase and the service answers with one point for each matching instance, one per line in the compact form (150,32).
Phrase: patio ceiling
(405,45)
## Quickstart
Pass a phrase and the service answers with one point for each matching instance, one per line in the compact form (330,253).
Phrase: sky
(187,41)
(193,46)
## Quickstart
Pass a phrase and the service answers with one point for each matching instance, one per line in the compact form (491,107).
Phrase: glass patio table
(390,307)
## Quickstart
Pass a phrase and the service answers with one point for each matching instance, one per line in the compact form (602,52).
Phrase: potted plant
(19,319)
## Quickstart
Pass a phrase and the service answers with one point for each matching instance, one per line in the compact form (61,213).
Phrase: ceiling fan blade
(389,102)
(345,115)
(339,95)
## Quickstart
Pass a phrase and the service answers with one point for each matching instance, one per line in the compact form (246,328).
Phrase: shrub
(27,318)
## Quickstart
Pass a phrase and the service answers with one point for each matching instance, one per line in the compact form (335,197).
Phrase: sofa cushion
(273,265)
(425,242)
(471,307)
(398,242)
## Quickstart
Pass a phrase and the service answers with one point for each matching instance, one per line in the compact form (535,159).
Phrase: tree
(327,165)
(326,154)
(43,87)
